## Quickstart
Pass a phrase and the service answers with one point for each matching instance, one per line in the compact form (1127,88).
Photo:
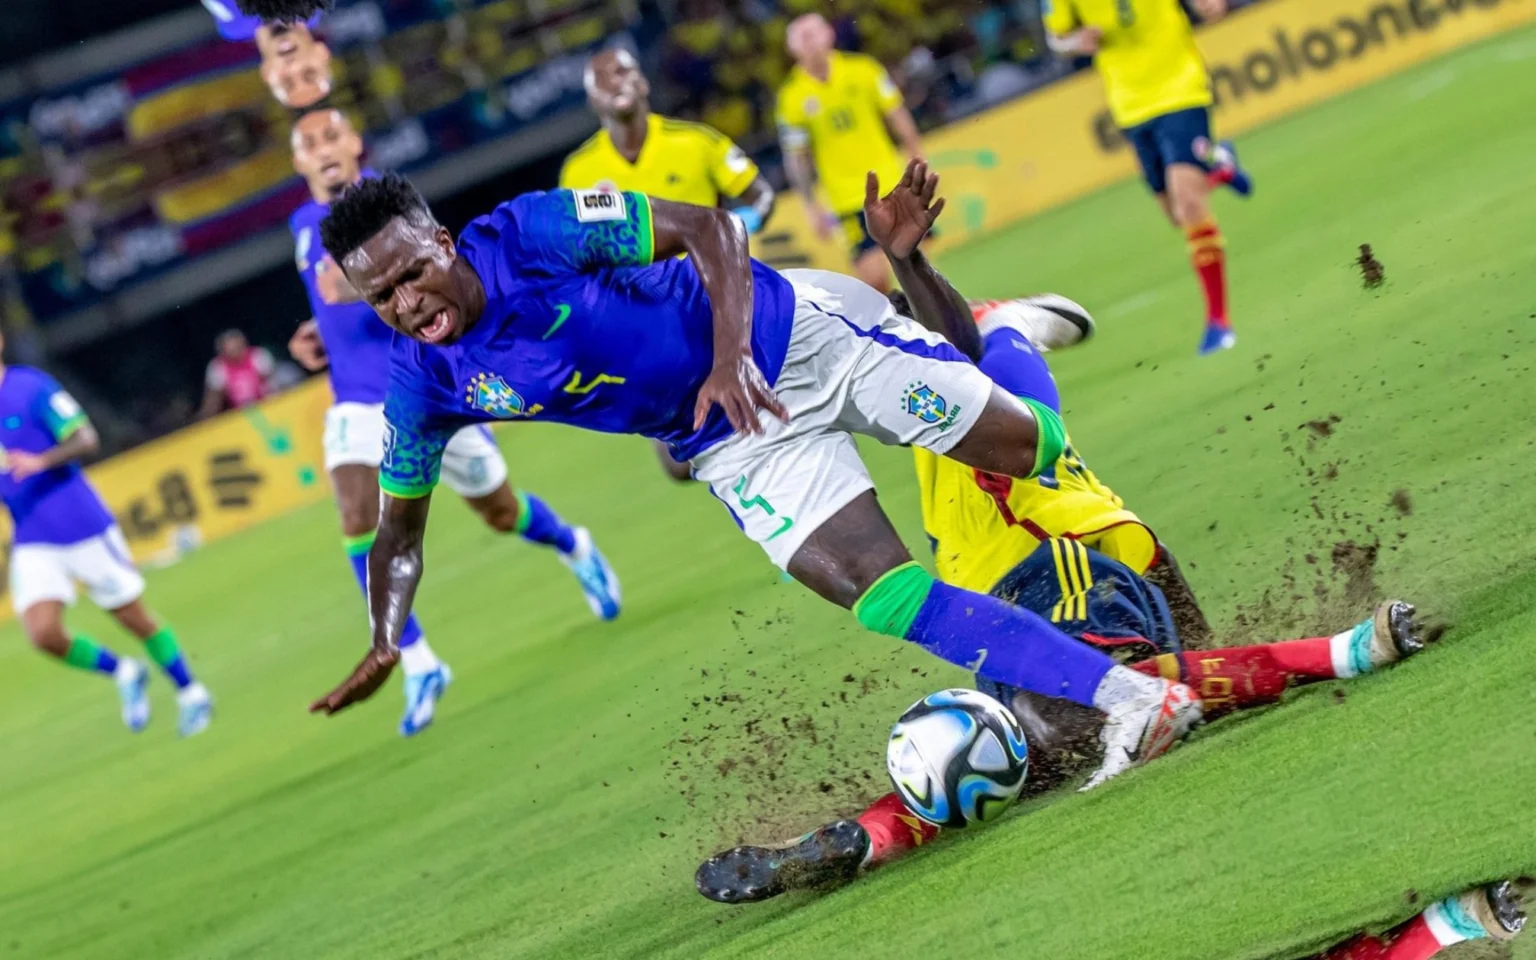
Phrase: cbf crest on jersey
(928,405)
(490,393)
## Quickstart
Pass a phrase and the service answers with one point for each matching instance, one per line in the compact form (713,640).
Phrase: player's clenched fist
(365,680)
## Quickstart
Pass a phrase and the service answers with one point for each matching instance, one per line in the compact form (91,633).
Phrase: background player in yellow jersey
(837,115)
(1159,94)
(655,155)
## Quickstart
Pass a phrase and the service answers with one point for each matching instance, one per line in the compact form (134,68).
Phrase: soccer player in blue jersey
(349,337)
(64,534)
(574,307)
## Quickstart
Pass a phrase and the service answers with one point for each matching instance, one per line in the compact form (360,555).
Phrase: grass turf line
(529,822)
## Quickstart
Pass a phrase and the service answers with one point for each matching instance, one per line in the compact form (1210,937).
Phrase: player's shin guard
(986,635)
(537,523)
(1208,256)
(893,829)
(357,553)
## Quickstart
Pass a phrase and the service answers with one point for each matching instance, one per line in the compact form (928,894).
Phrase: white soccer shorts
(354,433)
(46,571)
(853,366)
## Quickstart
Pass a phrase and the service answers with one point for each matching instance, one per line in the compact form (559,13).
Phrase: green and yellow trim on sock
(360,544)
(1052,441)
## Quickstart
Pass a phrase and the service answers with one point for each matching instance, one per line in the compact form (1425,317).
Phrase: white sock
(127,669)
(1451,922)
(1122,684)
(1350,651)
(193,693)
(418,658)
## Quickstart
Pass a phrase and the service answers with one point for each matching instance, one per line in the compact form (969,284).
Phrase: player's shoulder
(27,381)
(676,129)
(859,63)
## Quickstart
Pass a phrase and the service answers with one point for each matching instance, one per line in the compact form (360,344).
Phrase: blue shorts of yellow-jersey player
(1168,139)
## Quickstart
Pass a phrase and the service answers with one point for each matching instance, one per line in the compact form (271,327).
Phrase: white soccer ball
(957,757)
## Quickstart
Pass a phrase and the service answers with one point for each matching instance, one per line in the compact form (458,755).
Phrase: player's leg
(40,589)
(104,567)
(354,446)
(474,468)
(1188,619)
(1491,912)
(1236,678)
(1188,190)
(800,490)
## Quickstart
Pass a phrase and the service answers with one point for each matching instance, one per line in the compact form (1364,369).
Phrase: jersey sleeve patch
(63,415)
(596,206)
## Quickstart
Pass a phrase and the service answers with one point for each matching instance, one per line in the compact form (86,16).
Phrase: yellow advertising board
(1267,60)
(218,477)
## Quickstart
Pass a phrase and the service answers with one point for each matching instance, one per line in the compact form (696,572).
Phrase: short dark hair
(366,207)
(284,11)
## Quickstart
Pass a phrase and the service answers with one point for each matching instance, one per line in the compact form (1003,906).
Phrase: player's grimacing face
(327,152)
(405,273)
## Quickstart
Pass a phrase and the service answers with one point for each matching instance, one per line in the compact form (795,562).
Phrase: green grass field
(578,770)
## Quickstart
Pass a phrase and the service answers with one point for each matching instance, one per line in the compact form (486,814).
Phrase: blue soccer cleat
(1217,338)
(597,579)
(196,706)
(132,680)
(422,691)
(1223,156)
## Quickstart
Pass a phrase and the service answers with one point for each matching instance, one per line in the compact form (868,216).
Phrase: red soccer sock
(1236,678)
(893,829)
(1411,941)
(1207,254)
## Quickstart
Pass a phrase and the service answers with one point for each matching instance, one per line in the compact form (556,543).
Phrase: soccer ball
(957,757)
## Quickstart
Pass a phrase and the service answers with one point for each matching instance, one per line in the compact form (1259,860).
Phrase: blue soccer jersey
(580,327)
(356,340)
(56,506)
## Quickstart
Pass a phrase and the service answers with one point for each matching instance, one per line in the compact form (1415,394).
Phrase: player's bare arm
(759,198)
(801,171)
(717,244)
(898,222)
(1210,11)
(82,443)
(306,347)
(394,572)
(1082,42)
(903,129)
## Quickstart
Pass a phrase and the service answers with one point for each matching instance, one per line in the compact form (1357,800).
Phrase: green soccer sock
(86,654)
(162,649)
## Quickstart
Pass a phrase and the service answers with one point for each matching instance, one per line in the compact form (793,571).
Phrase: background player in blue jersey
(573,307)
(64,534)
(349,337)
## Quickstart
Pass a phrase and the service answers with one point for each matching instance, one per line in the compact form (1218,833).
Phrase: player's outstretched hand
(364,682)
(741,390)
(899,220)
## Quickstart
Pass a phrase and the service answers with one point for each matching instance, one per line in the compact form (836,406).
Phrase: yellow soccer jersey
(679,161)
(842,123)
(1147,55)
(983,525)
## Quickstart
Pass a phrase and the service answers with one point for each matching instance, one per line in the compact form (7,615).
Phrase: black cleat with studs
(829,857)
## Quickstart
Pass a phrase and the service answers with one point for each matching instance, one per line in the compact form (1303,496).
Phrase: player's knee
(45,630)
(1190,207)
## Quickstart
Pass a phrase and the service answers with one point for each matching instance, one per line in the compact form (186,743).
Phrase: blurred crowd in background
(146,178)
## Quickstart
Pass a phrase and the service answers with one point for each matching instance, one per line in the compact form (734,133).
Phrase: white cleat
(132,678)
(599,584)
(1048,320)
(1139,731)
(196,710)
